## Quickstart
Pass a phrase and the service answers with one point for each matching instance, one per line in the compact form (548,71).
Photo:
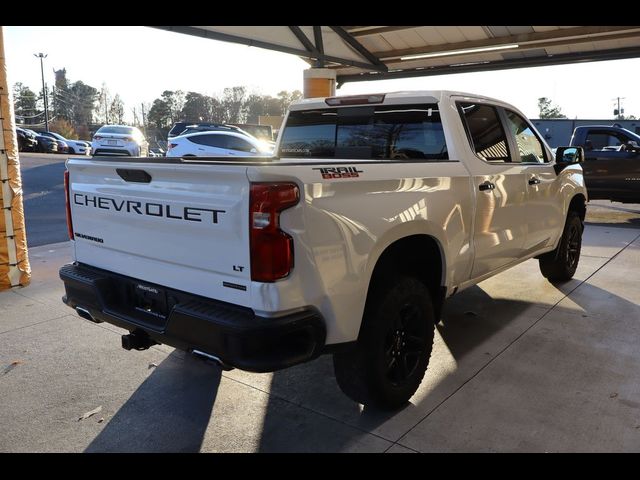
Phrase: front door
(611,169)
(544,206)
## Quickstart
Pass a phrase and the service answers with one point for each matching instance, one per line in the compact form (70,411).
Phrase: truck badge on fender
(329,173)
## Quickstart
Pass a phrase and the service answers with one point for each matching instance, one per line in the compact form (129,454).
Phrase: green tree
(286,98)
(257,105)
(233,101)
(102,112)
(217,111)
(85,97)
(159,115)
(62,101)
(24,104)
(196,108)
(175,102)
(547,110)
(116,110)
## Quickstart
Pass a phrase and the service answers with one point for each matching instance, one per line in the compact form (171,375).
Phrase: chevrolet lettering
(153,209)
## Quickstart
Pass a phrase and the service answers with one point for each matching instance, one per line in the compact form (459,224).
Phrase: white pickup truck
(374,210)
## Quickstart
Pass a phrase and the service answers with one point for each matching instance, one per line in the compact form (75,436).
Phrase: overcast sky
(140,62)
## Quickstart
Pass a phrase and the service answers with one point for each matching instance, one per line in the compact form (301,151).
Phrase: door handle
(486,186)
(534,181)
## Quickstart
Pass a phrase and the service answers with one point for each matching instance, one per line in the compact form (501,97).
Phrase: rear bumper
(232,333)
(113,151)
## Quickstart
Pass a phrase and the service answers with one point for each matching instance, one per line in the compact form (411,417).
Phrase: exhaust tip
(86,314)
(213,358)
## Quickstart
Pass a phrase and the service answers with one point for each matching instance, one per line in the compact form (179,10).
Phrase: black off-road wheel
(560,264)
(388,363)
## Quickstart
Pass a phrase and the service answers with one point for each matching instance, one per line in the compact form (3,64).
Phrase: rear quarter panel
(342,226)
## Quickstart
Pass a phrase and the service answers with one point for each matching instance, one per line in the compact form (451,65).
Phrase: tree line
(236,105)
(76,109)
(547,109)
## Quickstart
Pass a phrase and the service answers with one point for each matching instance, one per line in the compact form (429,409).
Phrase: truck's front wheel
(560,264)
(387,365)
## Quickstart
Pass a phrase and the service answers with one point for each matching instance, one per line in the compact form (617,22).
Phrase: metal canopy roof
(360,53)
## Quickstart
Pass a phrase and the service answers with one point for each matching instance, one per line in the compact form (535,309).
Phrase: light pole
(44,91)
(619,112)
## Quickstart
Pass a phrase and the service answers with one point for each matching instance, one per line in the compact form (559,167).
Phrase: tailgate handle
(137,176)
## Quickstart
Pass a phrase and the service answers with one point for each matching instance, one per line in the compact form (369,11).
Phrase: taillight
(271,248)
(172,145)
(97,137)
(68,204)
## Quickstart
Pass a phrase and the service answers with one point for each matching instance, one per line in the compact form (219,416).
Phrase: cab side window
(529,146)
(606,141)
(209,140)
(486,135)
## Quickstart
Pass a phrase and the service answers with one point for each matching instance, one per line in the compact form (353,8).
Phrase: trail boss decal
(329,173)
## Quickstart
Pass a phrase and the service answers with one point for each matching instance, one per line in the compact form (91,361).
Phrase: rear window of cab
(384,132)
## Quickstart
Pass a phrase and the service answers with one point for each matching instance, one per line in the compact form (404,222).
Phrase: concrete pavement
(518,365)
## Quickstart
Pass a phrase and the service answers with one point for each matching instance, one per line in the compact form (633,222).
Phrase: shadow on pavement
(472,317)
(169,412)
(314,385)
(306,411)
(623,223)
(613,214)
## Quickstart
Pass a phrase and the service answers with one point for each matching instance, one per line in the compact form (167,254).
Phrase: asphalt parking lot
(518,365)
(43,190)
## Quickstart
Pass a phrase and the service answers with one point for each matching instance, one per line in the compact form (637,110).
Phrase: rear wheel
(388,363)
(561,264)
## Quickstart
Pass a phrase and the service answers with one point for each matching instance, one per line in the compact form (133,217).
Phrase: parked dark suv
(27,141)
(46,144)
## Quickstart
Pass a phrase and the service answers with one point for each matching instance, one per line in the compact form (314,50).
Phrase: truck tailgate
(181,226)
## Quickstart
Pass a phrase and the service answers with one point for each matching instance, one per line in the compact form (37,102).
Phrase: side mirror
(632,146)
(566,156)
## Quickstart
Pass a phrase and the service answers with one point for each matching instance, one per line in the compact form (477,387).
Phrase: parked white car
(217,144)
(119,140)
(74,146)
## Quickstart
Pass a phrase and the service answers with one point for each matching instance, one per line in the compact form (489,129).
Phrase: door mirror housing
(566,156)
(632,146)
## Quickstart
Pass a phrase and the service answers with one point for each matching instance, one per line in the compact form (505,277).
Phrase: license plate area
(149,300)
(112,142)
(138,302)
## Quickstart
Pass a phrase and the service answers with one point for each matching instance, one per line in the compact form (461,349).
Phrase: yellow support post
(14,260)
(319,82)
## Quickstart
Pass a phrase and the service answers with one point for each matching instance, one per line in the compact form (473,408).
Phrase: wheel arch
(578,204)
(419,255)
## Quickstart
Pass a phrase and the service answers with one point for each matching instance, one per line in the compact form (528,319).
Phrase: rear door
(183,226)
(499,181)
(213,144)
